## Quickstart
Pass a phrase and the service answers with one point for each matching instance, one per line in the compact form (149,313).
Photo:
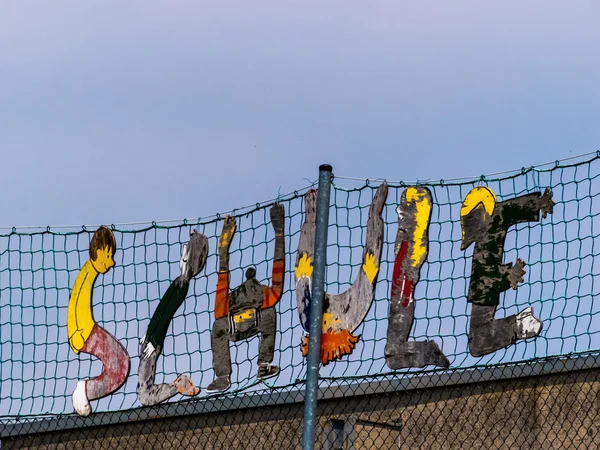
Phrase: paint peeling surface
(191,263)
(249,309)
(342,313)
(485,223)
(412,245)
(86,336)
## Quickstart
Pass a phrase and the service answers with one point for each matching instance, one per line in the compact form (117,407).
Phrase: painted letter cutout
(342,313)
(192,262)
(412,244)
(247,310)
(86,336)
(485,222)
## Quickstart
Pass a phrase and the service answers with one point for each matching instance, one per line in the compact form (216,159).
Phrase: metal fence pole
(316,308)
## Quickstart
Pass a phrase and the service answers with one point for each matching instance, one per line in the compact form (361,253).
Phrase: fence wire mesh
(541,390)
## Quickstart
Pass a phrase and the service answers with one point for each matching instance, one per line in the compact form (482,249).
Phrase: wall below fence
(559,409)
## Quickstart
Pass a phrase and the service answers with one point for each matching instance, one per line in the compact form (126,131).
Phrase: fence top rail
(144,225)
(396,383)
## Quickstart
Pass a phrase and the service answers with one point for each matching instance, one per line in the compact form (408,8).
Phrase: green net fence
(38,267)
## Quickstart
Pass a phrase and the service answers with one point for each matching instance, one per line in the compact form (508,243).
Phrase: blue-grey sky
(114,112)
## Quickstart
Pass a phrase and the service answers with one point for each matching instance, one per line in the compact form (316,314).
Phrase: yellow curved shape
(229,227)
(479,195)
(423,211)
(304,268)
(370,267)
(80,319)
(329,321)
(243,316)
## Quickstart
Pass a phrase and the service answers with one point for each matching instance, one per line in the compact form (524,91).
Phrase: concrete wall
(556,411)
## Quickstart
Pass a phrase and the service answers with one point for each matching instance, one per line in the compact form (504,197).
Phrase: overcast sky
(114,111)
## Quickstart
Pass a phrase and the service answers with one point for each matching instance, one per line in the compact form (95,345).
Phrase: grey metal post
(316,308)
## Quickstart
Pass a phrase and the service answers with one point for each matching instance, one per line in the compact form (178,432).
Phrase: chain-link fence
(458,314)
